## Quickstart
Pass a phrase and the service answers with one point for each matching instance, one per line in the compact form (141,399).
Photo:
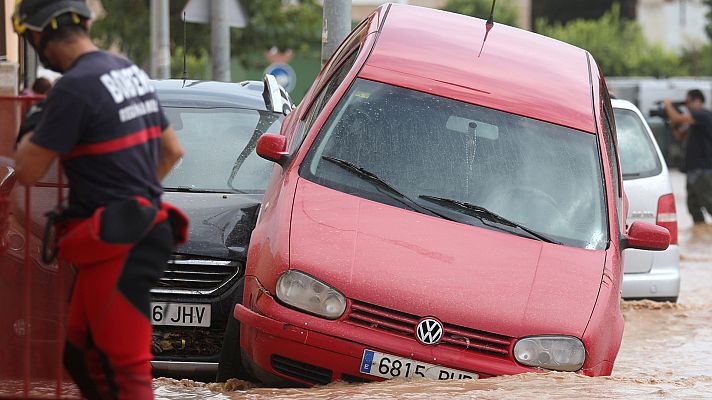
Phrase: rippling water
(666,353)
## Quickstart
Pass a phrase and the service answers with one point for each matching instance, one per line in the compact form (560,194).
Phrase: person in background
(40,87)
(698,155)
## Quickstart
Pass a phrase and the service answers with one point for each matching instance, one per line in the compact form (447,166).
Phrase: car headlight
(301,291)
(559,353)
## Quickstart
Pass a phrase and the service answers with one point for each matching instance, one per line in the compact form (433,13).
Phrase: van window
(639,158)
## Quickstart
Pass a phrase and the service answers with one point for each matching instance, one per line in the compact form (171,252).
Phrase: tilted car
(219,184)
(647,274)
(446,202)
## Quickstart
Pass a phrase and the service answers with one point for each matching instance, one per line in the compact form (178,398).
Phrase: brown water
(666,353)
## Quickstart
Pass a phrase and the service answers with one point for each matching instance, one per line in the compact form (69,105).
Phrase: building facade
(675,24)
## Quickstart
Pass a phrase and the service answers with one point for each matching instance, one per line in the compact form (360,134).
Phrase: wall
(8,35)
(676,24)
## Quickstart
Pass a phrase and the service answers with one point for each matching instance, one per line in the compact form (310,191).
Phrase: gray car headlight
(301,291)
(559,353)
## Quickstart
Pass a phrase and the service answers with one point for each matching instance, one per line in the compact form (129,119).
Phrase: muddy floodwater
(666,352)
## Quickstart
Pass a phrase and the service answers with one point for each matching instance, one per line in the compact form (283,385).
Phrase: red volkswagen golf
(442,206)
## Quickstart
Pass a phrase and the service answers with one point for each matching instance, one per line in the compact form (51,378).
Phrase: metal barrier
(33,295)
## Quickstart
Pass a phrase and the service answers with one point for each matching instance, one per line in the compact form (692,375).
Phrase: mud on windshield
(542,176)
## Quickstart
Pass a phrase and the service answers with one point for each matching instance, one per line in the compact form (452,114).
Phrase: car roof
(208,94)
(517,71)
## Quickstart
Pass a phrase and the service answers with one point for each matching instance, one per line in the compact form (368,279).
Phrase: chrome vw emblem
(429,331)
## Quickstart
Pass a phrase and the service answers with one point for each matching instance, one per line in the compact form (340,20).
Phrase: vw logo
(429,331)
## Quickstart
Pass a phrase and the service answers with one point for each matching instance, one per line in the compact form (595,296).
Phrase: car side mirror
(272,147)
(646,236)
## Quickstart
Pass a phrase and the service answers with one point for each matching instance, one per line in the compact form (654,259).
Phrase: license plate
(389,366)
(180,314)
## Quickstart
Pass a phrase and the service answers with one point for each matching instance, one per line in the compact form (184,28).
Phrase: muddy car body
(445,207)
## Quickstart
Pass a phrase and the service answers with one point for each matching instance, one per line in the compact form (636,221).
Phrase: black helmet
(36,15)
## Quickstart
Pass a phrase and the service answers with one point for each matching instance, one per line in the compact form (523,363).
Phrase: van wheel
(670,299)
(230,365)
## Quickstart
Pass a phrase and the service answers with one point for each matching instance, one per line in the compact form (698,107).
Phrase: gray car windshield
(542,176)
(639,159)
(219,146)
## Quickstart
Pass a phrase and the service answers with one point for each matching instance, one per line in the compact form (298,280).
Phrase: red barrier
(33,295)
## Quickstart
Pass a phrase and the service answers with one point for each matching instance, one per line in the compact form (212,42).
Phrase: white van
(647,274)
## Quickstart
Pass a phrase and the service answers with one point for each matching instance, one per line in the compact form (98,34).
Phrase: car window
(543,176)
(639,159)
(219,148)
(345,50)
(318,104)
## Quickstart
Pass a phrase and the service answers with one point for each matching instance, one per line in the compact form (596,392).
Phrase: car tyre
(230,365)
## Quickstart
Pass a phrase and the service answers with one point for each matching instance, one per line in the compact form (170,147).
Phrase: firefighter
(104,122)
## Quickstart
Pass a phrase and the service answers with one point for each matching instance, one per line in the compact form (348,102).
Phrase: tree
(564,11)
(271,23)
(505,12)
(618,45)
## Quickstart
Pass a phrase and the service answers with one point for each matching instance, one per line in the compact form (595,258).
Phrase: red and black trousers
(120,253)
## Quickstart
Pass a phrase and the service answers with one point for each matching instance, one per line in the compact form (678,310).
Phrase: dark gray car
(219,184)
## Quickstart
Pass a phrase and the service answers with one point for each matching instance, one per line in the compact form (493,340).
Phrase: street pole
(336,26)
(220,40)
(160,62)
(30,65)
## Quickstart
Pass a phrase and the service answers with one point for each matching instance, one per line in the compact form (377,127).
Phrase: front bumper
(662,281)
(284,345)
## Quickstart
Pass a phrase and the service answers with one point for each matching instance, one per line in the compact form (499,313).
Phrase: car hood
(474,277)
(220,224)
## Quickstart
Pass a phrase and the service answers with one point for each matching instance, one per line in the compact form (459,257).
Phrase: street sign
(285,75)
(199,11)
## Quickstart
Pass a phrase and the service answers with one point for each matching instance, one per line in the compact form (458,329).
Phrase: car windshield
(542,176)
(219,146)
(639,159)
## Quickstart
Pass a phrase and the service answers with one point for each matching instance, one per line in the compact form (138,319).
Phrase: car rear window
(219,146)
(543,176)
(639,159)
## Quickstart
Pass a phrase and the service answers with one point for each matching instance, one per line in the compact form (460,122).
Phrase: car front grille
(383,319)
(194,275)
(301,370)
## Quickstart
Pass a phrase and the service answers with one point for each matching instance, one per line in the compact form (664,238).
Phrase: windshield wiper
(381,184)
(631,175)
(484,214)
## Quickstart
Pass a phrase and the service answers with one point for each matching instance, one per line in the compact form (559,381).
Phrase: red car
(442,205)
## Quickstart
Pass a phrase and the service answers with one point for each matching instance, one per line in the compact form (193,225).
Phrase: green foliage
(271,23)
(698,60)
(617,44)
(196,65)
(126,27)
(504,13)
